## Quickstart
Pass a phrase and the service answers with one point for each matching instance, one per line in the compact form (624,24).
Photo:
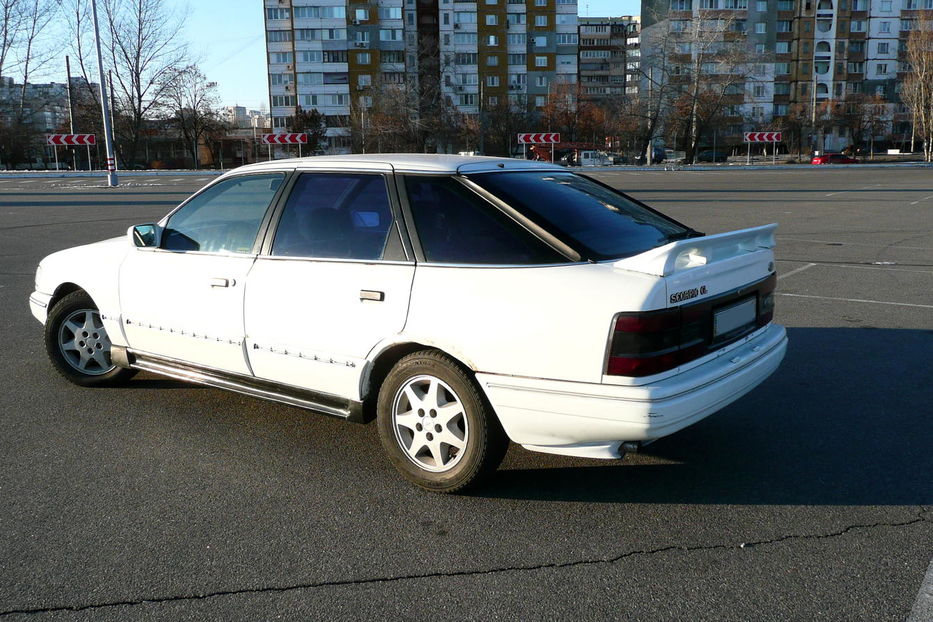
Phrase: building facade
(609,56)
(830,68)
(336,55)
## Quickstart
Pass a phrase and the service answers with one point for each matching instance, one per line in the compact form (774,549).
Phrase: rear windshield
(596,221)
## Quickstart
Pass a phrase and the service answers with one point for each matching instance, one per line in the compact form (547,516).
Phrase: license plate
(734,317)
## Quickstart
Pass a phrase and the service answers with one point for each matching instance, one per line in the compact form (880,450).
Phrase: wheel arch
(385,359)
(63,290)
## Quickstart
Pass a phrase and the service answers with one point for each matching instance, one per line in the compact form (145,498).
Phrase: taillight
(651,342)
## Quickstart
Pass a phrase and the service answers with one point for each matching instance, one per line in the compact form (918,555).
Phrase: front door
(334,284)
(184,299)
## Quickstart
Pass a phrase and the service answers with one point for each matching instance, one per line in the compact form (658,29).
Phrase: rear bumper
(592,420)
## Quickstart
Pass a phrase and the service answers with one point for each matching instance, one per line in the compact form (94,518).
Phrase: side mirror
(145,236)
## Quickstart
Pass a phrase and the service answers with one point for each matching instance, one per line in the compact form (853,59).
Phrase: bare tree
(917,92)
(192,101)
(144,48)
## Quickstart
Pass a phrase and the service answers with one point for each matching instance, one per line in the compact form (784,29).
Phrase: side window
(225,218)
(335,216)
(455,225)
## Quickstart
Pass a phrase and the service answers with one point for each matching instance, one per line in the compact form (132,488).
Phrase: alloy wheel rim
(84,344)
(430,423)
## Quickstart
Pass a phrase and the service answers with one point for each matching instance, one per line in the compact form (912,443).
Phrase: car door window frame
(396,228)
(261,233)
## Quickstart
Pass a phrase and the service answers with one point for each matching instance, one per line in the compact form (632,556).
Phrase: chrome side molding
(324,403)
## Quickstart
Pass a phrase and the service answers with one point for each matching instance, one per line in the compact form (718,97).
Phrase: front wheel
(435,425)
(78,345)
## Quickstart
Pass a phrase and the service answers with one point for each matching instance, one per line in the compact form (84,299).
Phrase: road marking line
(789,239)
(923,199)
(923,609)
(800,269)
(876,302)
(865,188)
(893,268)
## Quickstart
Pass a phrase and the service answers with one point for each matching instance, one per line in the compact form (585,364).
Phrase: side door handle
(221,282)
(370,294)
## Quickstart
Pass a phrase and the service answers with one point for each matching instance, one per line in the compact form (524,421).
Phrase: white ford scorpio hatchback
(458,301)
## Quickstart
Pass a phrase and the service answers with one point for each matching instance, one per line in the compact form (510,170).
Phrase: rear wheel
(436,425)
(78,345)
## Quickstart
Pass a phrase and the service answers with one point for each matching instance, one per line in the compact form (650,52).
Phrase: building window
(857,25)
(761,28)
(278,13)
(492,40)
(762,6)
(782,47)
(883,47)
(492,80)
(784,25)
(492,20)
(514,19)
(279,36)
(782,88)
(492,60)
(281,57)
(364,79)
(540,61)
(363,58)
(468,99)
(882,69)
(541,41)
(885,26)
(539,101)
(541,21)
(566,39)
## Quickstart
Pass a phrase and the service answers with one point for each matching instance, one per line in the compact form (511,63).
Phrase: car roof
(403,162)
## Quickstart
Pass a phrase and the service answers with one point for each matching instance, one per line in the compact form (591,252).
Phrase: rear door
(332,282)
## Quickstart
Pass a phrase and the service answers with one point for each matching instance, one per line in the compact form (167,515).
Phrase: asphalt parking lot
(809,498)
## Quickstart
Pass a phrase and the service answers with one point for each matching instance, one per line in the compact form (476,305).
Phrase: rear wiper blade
(684,235)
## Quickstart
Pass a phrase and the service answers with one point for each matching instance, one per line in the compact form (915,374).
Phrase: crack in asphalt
(921,517)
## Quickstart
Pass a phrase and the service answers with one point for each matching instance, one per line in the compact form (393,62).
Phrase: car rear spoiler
(695,252)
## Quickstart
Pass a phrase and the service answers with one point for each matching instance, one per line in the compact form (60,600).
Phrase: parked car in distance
(712,156)
(833,158)
(617,158)
(593,158)
(461,302)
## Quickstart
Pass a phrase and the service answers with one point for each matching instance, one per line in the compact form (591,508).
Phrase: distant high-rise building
(609,56)
(809,53)
(331,54)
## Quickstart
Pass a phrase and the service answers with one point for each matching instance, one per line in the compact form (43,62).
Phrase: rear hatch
(719,289)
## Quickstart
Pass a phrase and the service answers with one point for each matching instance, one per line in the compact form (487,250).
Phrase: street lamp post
(105,109)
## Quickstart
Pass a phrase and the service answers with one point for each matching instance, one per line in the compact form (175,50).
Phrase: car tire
(435,424)
(77,343)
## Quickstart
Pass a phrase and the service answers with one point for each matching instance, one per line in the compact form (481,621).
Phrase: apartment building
(333,55)
(609,56)
(809,52)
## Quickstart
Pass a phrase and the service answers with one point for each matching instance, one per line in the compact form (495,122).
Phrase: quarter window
(225,218)
(455,225)
(335,215)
